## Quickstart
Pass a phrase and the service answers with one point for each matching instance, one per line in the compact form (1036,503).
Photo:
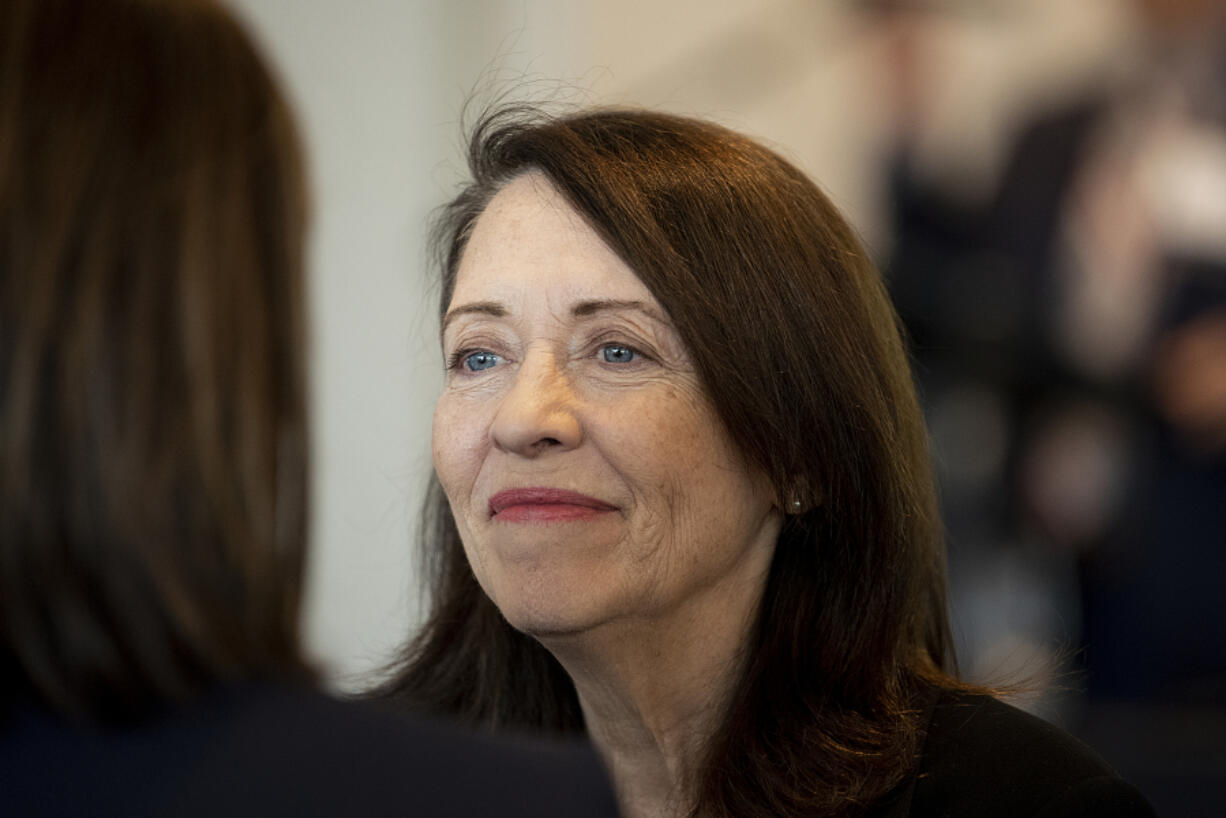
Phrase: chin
(543,619)
(549,607)
(550,597)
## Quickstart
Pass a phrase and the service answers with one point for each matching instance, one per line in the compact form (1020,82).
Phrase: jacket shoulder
(985,757)
(256,750)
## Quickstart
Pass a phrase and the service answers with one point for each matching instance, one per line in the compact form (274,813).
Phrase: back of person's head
(152,418)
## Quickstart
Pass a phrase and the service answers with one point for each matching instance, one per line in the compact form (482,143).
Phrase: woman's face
(589,477)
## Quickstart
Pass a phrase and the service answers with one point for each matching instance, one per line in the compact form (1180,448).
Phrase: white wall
(373,119)
(379,85)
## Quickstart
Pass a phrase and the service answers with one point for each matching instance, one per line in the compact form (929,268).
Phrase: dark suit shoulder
(258,751)
(984,757)
(384,763)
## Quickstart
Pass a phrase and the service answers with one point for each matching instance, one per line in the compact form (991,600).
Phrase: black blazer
(983,758)
(271,751)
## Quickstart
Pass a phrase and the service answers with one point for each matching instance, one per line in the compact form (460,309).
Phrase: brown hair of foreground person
(754,266)
(152,417)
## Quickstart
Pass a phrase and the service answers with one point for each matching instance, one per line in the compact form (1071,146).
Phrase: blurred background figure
(154,455)
(1069,320)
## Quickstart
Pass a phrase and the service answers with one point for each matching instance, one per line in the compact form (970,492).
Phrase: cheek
(692,483)
(671,437)
(455,444)
(669,455)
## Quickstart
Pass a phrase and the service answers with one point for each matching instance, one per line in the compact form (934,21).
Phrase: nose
(537,415)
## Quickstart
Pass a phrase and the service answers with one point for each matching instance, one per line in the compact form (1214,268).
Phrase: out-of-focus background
(1044,184)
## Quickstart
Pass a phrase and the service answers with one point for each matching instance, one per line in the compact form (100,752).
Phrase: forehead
(530,243)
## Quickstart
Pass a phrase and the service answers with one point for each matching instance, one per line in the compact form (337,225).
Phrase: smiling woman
(685,498)
(583,463)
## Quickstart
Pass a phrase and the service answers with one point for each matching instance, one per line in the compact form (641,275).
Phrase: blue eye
(478,361)
(617,354)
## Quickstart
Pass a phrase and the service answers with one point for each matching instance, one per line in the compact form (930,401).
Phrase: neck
(654,689)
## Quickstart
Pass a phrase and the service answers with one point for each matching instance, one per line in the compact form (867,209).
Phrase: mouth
(542,505)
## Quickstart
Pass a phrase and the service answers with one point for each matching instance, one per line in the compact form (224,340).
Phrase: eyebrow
(581,310)
(586,308)
(492,308)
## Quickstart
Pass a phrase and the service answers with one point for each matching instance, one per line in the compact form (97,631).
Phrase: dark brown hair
(800,353)
(152,417)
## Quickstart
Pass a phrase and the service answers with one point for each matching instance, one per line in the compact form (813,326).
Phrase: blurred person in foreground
(1083,307)
(684,503)
(153,451)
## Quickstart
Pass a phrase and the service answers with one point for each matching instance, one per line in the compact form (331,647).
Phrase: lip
(539,504)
